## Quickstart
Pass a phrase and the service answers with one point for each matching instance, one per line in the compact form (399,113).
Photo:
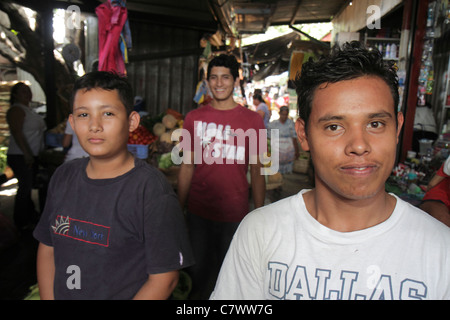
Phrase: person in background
(424,126)
(26,142)
(261,108)
(347,238)
(212,183)
(289,149)
(72,145)
(436,201)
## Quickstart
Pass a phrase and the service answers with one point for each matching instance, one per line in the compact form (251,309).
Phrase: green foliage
(3,164)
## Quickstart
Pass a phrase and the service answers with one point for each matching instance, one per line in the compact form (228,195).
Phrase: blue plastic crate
(139,150)
(54,140)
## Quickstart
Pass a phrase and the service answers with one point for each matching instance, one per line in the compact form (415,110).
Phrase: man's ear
(400,120)
(133,121)
(71,120)
(300,128)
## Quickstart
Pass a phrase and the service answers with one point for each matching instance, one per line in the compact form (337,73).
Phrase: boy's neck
(98,168)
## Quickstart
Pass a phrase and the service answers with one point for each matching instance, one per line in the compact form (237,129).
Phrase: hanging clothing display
(112,18)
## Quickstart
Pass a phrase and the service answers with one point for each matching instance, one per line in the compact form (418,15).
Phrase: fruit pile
(141,136)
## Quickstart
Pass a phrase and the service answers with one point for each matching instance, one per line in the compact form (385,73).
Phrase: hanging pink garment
(110,24)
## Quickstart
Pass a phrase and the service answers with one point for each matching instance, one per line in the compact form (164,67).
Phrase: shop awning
(272,57)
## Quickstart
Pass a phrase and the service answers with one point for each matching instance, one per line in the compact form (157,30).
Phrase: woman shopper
(288,145)
(26,142)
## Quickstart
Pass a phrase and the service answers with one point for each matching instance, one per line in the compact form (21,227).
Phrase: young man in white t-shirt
(346,238)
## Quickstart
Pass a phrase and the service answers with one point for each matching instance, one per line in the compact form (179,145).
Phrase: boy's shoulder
(142,171)
(145,171)
(71,166)
(204,108)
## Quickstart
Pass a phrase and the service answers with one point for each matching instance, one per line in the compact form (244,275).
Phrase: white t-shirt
(75,151)
(446,168)
(33,129)
(281,252)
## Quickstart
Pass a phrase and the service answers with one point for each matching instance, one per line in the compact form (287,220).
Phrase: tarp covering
(273,56)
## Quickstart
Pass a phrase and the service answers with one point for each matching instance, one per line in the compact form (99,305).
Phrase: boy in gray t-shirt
(112,227)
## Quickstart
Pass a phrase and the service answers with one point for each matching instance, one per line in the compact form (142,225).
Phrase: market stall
(152,141)
(431,132)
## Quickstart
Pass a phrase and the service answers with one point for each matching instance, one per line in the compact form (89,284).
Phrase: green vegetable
(34,293)
(165,161)
(3,163)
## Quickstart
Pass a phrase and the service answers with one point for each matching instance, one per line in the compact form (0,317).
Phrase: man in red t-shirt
(212,183)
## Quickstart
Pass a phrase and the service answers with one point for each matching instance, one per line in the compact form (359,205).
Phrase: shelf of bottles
(387,46)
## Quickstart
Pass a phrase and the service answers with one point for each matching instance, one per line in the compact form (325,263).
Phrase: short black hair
(14,89)
(107,81)
(349,61)
(227,61)
(258,97)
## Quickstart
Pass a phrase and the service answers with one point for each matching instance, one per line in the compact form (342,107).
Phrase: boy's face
(221,83)
(352,137)
(100,121)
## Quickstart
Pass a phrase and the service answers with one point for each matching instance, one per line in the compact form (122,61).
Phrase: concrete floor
(18,251)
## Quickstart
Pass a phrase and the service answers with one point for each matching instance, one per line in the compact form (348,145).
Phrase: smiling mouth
(359,169)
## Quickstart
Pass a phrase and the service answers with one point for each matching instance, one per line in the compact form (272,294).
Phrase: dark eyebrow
(330,117)
(380,115)
(371,116)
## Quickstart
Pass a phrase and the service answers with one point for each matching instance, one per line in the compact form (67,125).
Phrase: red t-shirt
(224,143)
(441,191)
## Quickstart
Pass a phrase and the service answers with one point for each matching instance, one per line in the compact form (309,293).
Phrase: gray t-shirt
(110,234)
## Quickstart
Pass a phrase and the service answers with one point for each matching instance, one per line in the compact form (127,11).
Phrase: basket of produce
(139,141)
(274,181)
(301,165)
(164,127)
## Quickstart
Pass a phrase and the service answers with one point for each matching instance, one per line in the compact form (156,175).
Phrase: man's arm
(261,113)
(45,271)
(185,178)
(258,183)
(158,286)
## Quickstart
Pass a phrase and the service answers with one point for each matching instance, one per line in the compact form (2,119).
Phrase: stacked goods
(301,165)
(141,136)
(274,180)
(5,92)
(139,141)
(54,137)
(164,127)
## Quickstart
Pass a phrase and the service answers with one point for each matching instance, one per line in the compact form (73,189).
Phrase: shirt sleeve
(165,233)
(240,277)
(42,230)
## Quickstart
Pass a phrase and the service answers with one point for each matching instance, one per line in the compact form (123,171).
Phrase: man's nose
(358,142)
